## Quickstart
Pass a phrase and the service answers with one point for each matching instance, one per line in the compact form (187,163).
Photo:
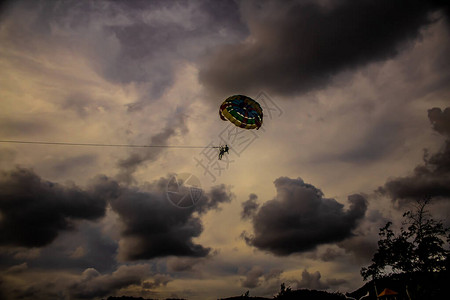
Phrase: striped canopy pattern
(242,111)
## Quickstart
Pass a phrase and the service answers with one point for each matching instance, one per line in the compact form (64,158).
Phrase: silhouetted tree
(284,291)
(418,248)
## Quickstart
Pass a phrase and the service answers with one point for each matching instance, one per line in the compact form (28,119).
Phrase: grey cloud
(18,268)
(361,247)
(257,276)
(153,227)
(378,142)
(431,179)
(126,41)
(252,277)
(273,274)
(217,195)
(67,164)
(93,284)
(83,105)
(299,218)
(363,244)
(87,247)
(127,167)
(311,281)
(182,264)
(9,289)
(336,282)
(150,48)
(7,156)
(297,46)
(440,120)
(34,211)
(330,254)
(158,280)
(375,215)
(17,126)
(160,35)
(249,207)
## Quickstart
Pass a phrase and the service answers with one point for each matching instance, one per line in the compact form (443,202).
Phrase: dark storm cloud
(431,179)
(33,211)
(140,42)
(88,247)
(217,195)
(363,244)
(249,207)
(440,120)
(154,227)
(127,167)
(300,218)
(296,46)
(176,30)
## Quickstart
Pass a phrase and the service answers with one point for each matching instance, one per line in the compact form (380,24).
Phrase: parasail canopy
(242,111)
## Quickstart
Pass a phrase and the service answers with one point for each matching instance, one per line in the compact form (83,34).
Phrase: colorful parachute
(242,111)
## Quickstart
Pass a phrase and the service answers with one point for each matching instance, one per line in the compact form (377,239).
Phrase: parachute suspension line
(103,145)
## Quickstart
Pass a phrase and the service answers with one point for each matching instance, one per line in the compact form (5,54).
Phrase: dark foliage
(414,262)
(426,286)
(286,293)
(419,248)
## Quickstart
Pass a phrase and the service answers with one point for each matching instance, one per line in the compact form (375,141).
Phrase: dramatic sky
(356,98)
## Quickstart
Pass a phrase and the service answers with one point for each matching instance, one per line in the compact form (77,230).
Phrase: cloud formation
(182,264)
(252,277)
(93,284)
(154,227)
(431,180)
(128,166)
(33,211)
(257,276)
(299,218)
(126,42)
(297,46)
(313,281)
(151,45)
(249,207)
(87,247)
